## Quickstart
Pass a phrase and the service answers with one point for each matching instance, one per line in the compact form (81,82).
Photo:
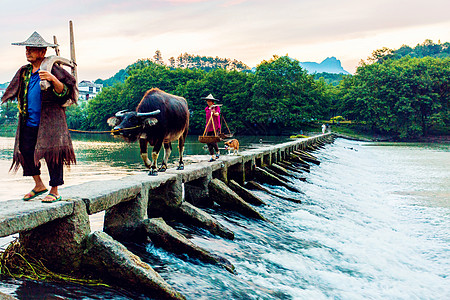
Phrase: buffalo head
(130,124)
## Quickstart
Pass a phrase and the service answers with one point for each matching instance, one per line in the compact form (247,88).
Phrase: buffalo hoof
(153,173)
(180,167)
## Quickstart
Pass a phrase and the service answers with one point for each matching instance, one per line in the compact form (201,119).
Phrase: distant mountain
(4,85)
(329,65)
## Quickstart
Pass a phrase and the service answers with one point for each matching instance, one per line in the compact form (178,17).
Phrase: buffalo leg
(155,154)
(167,151)
(181,141)
(143,145)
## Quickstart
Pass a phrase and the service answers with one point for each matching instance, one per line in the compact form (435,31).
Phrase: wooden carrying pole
(48,62)
(207,125)
(209,139)
(55,41)
(72,53)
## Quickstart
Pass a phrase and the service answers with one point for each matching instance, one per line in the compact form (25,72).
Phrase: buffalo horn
(139,114)
(120,113)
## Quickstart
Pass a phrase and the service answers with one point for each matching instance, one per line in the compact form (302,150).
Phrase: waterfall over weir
(359,231)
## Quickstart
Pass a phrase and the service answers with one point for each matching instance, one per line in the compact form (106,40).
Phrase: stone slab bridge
(59,234)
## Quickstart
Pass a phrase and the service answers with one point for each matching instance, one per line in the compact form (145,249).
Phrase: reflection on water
(373,224)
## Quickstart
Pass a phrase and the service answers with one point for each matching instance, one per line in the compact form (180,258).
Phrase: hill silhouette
(329,65)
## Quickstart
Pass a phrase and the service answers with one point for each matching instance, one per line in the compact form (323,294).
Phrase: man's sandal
(33,194)
(50,198)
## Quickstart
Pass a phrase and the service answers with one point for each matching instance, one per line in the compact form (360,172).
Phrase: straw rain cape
(54,143)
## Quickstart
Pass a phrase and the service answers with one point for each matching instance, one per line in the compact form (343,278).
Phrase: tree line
(402,96)
(279,96)
(426,49)
(185,61)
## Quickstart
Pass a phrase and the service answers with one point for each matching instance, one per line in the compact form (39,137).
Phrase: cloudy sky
(111,34)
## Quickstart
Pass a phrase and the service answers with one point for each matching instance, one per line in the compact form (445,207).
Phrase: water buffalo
(159,119)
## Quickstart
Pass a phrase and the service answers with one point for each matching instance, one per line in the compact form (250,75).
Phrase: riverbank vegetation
(406,98)
(279,96)
(403,93)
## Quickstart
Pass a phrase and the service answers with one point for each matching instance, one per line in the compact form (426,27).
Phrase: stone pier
(60,234)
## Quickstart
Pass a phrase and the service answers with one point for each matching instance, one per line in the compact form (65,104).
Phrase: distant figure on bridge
(324,128)
(42,129)
(212,110)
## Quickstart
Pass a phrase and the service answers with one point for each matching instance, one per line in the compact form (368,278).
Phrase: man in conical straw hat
(212,110)
(42,129)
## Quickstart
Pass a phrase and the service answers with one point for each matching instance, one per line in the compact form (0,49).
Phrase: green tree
(402,97)
(157,58)
(104,105)
(284,95)
(281,94)
(76,116)
(8,113)
(381,55)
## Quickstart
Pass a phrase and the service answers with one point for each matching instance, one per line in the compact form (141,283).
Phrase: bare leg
(39,186)
(50,198)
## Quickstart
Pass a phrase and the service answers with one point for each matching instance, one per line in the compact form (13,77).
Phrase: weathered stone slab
(198,217)
(257,186)
(122,219)
(279,169)
(227,198)
(231,159)
(245,194)
(164,236)
(193,171)
(284,171)
(114,262)
(269,178)
(60,243)
(293,167)
(101,195)
(166,197)
(275,174)
(196,191)
(18,215)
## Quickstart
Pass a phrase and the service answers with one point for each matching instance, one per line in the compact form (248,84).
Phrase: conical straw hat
(35,40)
(210,97)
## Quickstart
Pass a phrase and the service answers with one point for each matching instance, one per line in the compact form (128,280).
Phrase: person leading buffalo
(42,131)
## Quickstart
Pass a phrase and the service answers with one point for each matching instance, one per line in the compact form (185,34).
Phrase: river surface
(374,223)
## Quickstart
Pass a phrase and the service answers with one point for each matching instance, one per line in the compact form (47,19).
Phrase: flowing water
(374,223)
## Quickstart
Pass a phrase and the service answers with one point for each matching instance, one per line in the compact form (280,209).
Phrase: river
(374,223)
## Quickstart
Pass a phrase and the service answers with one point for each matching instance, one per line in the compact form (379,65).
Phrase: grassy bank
(361,132)
(356,132)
